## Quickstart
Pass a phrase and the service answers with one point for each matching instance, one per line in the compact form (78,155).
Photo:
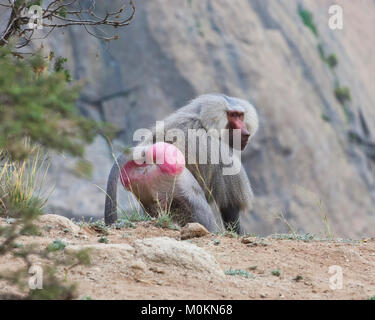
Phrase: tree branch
(61,14)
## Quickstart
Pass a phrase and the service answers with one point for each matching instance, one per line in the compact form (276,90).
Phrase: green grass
(98,226)
(292,236)
(332,61)
(275,273)
(164,220)
(308,20)
(343,94)
(216,242)
(164,212)
(326,118)
(57,245)
(298,278)
(103,240)
(134,216)
(239,272)
(124,223)
(230,230)
(21,182)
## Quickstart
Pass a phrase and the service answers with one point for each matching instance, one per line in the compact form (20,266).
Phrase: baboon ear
(251,119)
(214,117)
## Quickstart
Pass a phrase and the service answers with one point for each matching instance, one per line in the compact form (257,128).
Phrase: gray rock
(58,222)
(115,255)
(180,254)
(193,230)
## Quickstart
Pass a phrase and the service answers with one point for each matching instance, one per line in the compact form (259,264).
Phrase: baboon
(193,188)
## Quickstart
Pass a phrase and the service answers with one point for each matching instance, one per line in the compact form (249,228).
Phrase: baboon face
(236,121)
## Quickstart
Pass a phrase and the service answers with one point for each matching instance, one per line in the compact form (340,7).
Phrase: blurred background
(312,160)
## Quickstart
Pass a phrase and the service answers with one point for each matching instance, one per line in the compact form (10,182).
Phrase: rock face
(307,161)
(116,254)
(173,253)
(59,222)
(151,254)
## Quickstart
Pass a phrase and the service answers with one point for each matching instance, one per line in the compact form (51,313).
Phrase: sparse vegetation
(326,117)
(308,20)
(164,213)
(124,223)
(325,218)
(300,237)
(230,230)
(57,245)
(332,61)
(164,220)
(343,94)
(134,216)
(298,278)
(103,239)
(97,225)
(216,242)
(275,273)
(280,216)
(239,272)
(21,183)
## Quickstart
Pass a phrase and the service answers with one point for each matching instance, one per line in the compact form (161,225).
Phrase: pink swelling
(169,158)
(162,159)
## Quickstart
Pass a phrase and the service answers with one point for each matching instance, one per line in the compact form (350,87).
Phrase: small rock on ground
(193,230)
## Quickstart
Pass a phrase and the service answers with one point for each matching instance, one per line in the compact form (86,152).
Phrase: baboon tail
(110,210)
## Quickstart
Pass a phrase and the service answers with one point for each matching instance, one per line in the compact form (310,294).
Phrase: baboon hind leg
(193,202)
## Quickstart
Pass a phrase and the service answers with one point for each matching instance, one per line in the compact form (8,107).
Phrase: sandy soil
(303,267)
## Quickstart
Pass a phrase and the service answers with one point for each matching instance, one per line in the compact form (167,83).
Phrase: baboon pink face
(162,160)
(236,121)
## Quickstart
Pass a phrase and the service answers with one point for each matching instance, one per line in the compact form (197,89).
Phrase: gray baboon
(196,187)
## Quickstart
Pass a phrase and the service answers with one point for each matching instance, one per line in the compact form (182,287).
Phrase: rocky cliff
(314,153)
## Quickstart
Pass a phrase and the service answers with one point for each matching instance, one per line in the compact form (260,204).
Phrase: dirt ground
(274,267)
